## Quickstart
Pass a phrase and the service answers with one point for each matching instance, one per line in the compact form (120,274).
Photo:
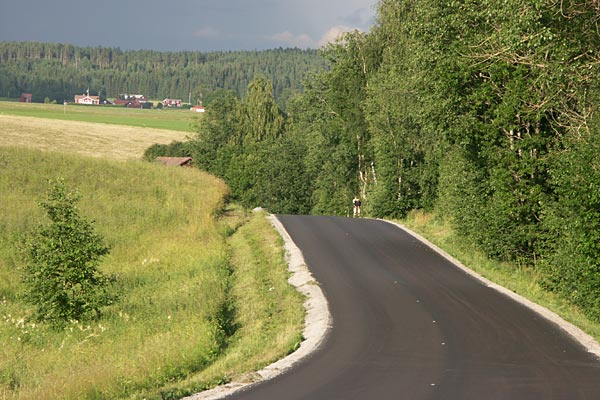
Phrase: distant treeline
(59,71)
(485,113)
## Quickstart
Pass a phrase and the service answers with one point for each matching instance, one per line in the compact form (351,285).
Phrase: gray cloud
(359,17)
(182,24)
(288,39)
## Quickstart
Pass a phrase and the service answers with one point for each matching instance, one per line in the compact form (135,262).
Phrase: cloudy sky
(171,25)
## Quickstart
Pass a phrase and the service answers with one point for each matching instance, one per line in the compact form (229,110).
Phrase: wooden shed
(175,161)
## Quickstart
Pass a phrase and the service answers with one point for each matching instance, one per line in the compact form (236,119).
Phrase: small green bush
(173,149)
(62,278)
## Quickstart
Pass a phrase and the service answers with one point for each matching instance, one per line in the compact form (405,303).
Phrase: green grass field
(172,267)
(203,286)
(176,120)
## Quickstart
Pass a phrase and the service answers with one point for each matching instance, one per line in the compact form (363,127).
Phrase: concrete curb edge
(587,341)
(317,322)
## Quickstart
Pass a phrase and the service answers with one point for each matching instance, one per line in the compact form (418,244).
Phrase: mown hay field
(89,139)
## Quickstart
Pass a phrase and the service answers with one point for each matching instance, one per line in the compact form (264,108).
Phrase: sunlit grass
(269,311)
(84,138)
(169,119)
(184,259)
(181,261)
(173,270)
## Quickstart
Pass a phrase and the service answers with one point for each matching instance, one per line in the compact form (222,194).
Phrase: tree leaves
(62,278)
(59,71)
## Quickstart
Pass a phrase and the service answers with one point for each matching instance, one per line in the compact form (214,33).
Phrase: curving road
(407,324)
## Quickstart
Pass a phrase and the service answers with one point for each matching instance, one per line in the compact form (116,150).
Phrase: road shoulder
(317,321)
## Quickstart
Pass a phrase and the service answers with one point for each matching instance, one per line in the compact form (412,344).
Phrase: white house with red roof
(87,99)
(172,103)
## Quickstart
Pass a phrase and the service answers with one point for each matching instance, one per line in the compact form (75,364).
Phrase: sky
(174,25)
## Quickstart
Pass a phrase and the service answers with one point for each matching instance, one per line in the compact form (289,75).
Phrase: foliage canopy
(485,112)
(60,71)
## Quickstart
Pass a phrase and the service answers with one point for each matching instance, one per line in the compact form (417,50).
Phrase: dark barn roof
(175,161)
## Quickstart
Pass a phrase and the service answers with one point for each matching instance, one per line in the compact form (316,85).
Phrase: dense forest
(60,71)
(483,112)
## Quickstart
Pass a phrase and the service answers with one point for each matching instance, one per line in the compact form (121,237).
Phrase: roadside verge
(316,326)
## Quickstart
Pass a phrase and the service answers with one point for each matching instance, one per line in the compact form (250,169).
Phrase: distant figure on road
(356,203)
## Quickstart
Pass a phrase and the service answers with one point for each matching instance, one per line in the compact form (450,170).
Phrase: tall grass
(202,299)
(171,263)
(268,311)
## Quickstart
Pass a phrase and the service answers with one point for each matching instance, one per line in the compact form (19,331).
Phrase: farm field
(203,292)
(85,138)
(170,119)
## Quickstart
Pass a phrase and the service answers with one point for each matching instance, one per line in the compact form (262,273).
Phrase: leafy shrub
(173,149)
(573,220)
(62,278)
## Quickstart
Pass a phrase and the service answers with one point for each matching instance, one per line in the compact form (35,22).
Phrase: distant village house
(87,99)
(199,109)
(133,101)
(25,97)
(172,103)
(137,97)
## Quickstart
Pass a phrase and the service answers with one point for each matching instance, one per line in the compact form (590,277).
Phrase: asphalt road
(407,324)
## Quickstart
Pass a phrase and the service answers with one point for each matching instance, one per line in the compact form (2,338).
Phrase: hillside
(60,71)
(195,280)
(133,204)
(117,134)
(170,119)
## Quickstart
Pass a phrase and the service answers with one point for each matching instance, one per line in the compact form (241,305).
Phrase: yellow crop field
(116,142)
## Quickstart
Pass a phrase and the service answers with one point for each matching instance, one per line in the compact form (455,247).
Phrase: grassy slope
(270,315)
(173,270)
(180,269)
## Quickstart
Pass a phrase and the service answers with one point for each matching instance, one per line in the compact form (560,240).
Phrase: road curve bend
(409,324)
